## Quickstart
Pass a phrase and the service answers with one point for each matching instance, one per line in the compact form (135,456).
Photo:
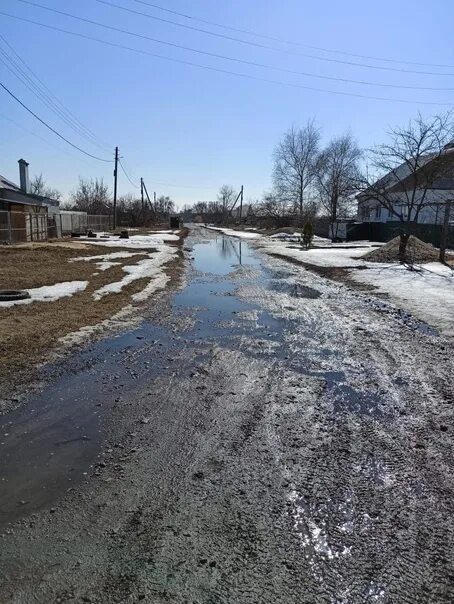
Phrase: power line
(227,58)
(265,66)
(225,71)
(127,175)
(46,95)
(257,45)
(50,127)
(292,42)
(22,127)
(28,83)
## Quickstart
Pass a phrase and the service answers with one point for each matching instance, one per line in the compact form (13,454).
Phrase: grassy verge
(28,333)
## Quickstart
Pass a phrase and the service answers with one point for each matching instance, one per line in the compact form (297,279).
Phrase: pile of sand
(417,252)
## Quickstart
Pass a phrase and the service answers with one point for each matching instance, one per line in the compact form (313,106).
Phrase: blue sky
(197,129)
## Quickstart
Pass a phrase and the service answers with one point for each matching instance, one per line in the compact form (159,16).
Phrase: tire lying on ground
(9,295)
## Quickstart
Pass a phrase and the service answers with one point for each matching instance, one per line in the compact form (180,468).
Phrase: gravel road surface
(264,436)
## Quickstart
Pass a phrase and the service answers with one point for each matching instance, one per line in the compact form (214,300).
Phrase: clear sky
(182,125)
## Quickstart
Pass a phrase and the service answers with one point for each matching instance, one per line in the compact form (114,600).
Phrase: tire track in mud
(397,492)
(300,458)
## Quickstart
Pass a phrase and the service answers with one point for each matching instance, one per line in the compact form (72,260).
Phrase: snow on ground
(107,257)
(427,292)
(107,261)
(338,257)
(159,282)
(49,293)
(233,233)
(150,267)
(136,241)
(295,237)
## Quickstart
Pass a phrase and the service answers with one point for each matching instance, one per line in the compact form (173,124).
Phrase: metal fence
(16,227)
(80,223)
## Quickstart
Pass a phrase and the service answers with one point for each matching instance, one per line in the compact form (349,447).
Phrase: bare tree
(91,196)
(164,207)
(130,211)
(226,197)
(408,171)
(338,174)
(38,186)
(273,206)
(295,164)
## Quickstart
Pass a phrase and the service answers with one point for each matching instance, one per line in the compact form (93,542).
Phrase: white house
(399,191)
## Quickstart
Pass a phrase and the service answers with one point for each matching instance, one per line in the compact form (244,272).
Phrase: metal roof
(7,184)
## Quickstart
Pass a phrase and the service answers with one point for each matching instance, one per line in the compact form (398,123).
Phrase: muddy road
(264,436)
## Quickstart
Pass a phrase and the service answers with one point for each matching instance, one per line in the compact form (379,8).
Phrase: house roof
(399,174)
(26,198)
(8,184)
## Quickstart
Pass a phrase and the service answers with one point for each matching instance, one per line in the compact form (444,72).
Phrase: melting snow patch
(427,292)
(148,268)
(159,283)
(233,233)
(49,293)
(136,241)
(107,257)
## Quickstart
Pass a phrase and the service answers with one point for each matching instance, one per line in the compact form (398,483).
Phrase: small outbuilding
(24,216)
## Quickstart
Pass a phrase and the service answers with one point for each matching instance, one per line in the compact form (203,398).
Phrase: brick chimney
(24,178)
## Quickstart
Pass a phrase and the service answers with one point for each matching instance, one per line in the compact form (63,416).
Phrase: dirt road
(265,436)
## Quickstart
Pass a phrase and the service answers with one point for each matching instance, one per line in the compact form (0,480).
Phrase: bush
(307,235)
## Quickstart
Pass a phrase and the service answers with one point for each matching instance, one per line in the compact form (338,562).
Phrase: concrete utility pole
(445,232)
(115,190)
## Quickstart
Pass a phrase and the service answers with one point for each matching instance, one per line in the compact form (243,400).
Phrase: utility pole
(146,193)
(154,197)
(115,190)
(241,203)
(445,232)
(141,191)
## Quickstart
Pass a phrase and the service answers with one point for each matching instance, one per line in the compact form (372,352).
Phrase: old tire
(10,295)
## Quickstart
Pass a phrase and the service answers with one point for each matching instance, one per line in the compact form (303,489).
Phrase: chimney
(24,179)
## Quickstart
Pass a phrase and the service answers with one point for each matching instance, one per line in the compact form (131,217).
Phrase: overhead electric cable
(50,127)
(42,91)
(127,175)
(28,83)
(226,71)
(292,42)
(243,61)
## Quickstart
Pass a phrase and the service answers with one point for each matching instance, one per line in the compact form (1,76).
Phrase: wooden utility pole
(146,193)
(445,232)
(241,202)
(141,191)
(115,190)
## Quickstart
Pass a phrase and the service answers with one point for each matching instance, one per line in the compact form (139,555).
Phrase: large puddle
(48,445)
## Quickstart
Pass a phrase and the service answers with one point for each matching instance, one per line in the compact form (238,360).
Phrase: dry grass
(28,332)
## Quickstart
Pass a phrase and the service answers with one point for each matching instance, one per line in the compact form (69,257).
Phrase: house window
(378,212)
(390,214)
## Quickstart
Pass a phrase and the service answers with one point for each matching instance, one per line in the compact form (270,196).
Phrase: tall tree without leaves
(338,174)
(226,198)
(409,171)
(295,165)
(38,186)
(91,196)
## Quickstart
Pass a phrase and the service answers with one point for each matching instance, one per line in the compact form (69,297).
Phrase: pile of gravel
(417,252)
